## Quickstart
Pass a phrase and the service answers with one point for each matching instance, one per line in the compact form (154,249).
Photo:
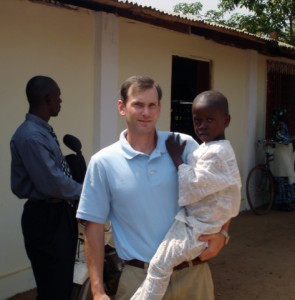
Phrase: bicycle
(260,185)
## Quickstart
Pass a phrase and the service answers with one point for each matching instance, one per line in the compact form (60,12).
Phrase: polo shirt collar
(130,153)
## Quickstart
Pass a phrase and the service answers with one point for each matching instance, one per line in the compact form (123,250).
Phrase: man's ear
(121,107)
(47,99)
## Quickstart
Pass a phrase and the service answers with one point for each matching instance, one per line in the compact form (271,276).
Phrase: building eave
(185,24)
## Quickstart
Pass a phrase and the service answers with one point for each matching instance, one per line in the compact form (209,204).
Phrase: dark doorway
(280,93)
(189,78)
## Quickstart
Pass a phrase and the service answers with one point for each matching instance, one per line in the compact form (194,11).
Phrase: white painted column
(106,80)
(251,124)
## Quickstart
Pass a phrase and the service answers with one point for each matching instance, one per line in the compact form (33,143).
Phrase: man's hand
(94,252)
(175,148)
(215,243)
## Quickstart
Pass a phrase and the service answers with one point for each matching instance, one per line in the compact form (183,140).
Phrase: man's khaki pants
(194,283)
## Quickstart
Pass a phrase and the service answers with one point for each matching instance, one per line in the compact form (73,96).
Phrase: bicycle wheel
(260,188)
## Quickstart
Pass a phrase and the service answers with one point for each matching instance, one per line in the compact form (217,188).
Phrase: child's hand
(175,148)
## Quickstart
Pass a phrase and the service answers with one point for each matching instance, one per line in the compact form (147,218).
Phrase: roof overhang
(181,23)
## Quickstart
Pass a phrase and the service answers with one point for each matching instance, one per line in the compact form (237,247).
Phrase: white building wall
(90,54)
(38,39)
(240,74)
(148,50)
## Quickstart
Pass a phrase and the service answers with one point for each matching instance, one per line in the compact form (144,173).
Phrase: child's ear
(227,120)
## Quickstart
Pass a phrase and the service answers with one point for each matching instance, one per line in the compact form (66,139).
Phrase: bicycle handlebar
(268,142)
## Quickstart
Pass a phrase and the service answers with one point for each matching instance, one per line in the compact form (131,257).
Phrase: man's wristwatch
(225,234)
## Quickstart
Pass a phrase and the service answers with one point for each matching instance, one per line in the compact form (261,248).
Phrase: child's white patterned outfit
(209,194)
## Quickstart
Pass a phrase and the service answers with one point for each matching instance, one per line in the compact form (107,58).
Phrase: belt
(54,201)
(48,201)
(142,265)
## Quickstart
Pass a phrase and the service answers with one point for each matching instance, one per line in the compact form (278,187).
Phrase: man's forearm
(94,250)
(215,241)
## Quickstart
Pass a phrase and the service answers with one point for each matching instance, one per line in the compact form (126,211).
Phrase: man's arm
(40,169)
(215,243)
(94,250)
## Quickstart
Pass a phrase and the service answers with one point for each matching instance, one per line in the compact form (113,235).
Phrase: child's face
(209,122)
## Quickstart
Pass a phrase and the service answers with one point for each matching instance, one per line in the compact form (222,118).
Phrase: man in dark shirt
(40,174)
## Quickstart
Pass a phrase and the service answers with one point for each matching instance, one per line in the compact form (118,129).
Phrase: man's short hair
(139,83)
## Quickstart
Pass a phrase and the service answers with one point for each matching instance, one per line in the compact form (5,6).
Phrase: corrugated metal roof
(188,24)
(194,18)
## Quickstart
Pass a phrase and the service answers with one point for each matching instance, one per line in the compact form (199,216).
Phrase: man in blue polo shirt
(134,183)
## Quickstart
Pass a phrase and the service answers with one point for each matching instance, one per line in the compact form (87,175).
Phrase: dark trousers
(50,236)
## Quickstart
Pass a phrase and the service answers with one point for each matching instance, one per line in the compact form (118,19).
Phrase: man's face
(54,101)
(141,110)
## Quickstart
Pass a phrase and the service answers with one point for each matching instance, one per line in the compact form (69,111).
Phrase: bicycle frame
(269,147)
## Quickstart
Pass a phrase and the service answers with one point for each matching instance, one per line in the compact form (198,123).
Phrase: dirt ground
(258,263)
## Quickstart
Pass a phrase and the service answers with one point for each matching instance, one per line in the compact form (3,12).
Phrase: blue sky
(169,4)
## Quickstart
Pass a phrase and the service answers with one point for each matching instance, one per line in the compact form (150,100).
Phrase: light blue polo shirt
(136,191)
